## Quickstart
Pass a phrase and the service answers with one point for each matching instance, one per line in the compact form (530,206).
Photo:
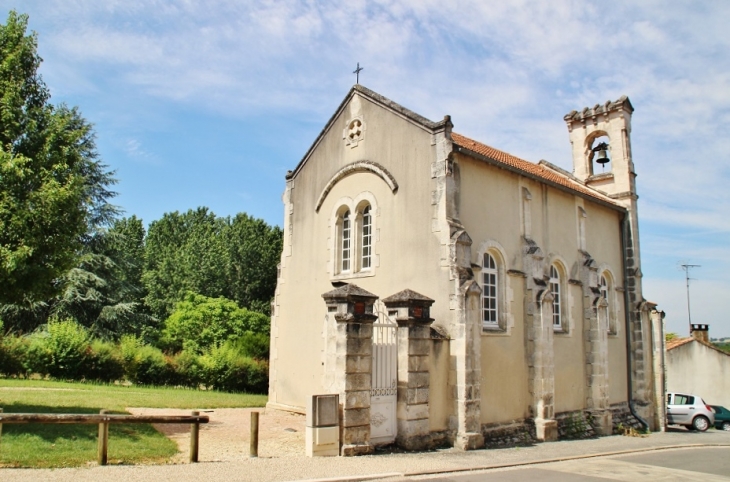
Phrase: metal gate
(383,396)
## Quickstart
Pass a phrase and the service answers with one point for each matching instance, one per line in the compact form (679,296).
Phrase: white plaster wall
(697,369)
(406,250)
(490,202)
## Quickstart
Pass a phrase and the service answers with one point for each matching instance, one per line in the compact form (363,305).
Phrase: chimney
(700,332)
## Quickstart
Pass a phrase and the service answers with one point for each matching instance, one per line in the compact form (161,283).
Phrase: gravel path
(224,448)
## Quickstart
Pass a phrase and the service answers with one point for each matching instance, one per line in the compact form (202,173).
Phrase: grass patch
(48,445)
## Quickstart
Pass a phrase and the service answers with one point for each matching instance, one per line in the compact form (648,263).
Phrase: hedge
(65,351)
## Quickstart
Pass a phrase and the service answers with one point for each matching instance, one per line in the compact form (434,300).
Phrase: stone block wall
(575,425)
(511,434)
(623,418)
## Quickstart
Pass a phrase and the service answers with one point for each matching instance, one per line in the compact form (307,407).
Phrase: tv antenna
(686,268)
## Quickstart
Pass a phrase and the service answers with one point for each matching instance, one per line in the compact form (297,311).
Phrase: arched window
(366,239)
(556,291)
(353,238)
(490,292)
(346,242)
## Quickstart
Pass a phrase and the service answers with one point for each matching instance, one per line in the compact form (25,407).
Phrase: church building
(450,292)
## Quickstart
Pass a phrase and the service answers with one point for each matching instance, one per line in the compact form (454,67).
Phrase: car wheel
(726,426)
(700,423)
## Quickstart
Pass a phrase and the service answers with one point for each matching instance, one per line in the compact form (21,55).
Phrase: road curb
(557,459)
(452,470)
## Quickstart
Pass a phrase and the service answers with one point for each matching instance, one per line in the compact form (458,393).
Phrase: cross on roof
(357,72)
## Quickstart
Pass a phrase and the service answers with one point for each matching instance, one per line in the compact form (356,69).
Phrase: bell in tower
(601,154)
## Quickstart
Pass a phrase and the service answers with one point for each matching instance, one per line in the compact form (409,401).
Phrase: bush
(254,345)
(70,349)
(224,368)
(13,352)
(105,362)
(199,323)
(38,356)
(188,370)
(145,364)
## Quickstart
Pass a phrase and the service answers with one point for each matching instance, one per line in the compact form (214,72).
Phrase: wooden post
(194,429)
(103,443)
(1,425)
(254,443)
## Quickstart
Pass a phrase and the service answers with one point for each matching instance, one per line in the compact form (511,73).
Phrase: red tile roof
(674,343)
(677,342)
(527,167)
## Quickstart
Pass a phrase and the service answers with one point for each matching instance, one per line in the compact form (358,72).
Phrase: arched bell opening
(599,153)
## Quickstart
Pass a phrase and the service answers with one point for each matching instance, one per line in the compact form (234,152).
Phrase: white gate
(383,396)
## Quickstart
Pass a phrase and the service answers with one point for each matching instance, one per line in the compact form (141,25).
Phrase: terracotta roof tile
(528,167)
(674,343)
(677,342)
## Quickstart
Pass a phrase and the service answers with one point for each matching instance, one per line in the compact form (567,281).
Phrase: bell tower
(601,140)
(601,143)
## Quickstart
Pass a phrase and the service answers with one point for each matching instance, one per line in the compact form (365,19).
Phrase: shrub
(145,364)
(188,370)
(199,323)
(69,347)
(13,350)
(105,362)
(254,345)
(224,368)
(38,357)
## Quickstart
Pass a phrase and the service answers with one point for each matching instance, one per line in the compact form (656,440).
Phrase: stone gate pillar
(352,308)
(412,313)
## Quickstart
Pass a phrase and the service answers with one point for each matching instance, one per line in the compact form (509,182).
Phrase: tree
(254,250)
(184,253)
(104,292)
(201,253)
(53,188)
(200,322)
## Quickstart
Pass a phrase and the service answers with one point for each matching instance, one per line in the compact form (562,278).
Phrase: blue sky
(210,103)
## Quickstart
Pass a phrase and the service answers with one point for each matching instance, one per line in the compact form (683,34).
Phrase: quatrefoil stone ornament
(354,132)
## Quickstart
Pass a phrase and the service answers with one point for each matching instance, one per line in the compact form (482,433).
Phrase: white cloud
(506,71)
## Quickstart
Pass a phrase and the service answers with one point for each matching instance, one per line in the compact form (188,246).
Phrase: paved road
(574,460)
(706,464)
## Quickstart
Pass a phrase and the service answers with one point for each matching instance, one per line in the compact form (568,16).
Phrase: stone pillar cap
(407,297)
(348,291)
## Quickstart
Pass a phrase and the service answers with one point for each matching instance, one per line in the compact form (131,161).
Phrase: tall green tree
(105,291)
(201,253)
(184,252)
(53,189)
(254,250)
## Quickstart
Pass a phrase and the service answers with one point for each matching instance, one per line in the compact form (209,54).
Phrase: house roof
(543,172)
(677,342)
(674,343)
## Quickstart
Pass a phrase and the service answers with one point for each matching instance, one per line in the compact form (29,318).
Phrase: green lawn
(44,445)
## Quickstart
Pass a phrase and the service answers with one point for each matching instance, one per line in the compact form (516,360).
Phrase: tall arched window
(346,242)
(556,291)
(490,289)
(367,239)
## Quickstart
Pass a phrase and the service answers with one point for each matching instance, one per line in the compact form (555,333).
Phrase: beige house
(451,292)
(696,366)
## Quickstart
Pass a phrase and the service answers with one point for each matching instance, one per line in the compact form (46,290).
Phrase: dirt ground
(227,436)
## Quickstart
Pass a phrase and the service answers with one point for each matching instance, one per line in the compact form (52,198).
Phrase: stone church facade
(450,292)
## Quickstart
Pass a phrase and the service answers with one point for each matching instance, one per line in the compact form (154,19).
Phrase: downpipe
(628,312)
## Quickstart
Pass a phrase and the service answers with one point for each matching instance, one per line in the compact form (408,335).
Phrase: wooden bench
(103,419)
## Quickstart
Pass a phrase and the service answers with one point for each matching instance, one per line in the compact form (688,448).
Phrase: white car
(690,411)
